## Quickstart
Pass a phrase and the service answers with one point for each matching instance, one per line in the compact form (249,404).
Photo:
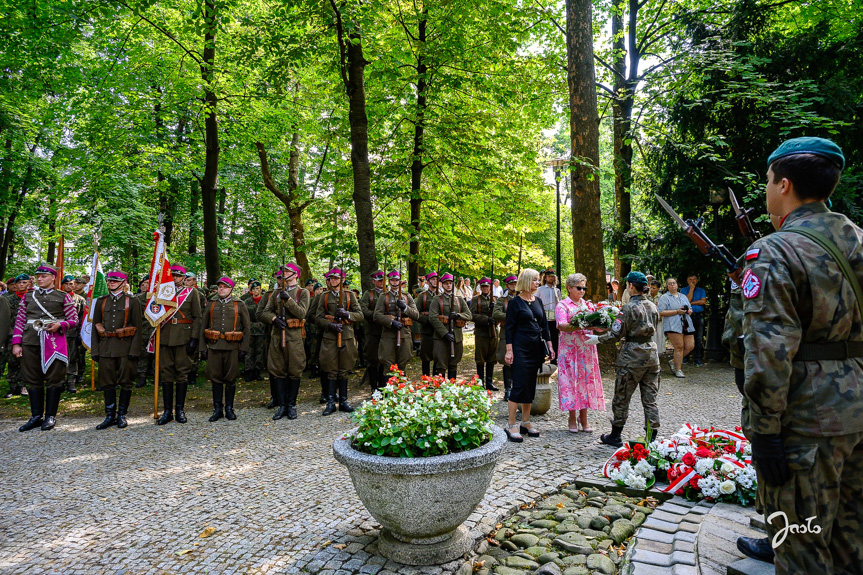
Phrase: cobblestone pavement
(135,501)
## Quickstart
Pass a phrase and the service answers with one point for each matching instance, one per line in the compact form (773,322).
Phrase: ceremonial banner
(94,290)
(161,292)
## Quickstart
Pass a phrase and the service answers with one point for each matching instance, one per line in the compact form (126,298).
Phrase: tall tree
(584,137)
(352,67)
(211,127)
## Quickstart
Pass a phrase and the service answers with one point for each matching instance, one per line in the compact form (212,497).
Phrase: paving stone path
(135,501)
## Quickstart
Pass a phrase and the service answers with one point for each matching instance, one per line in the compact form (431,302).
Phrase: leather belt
(175,320)
(638,339)
(838,350)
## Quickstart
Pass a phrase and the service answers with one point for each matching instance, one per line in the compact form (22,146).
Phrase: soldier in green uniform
(248,294)
(78,287)
(637,361)
(314,339)
(499,316)
(268,330)
(374,369)
(38,341)
(190,281)
(395,315)
(448,315)
(255,359)
(73,333)
(803,366)
(146,360)
(17,289)
(311,328)
(485,333)
(338,310)
(178,342)
(424,301)
(116,346)
(225,328)
(286,312)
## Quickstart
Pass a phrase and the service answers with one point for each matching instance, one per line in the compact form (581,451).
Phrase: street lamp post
(714,349)
(557,165)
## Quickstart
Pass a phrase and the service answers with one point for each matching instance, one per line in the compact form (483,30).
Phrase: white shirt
(550,297)
(497,291)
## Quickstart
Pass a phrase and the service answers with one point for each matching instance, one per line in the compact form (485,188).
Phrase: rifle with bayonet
(282,307)
(451,323)
(705,245)
(742,217)
(399,312)
(338,318)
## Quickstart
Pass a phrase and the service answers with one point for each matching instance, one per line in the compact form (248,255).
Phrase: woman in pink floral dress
(579,382)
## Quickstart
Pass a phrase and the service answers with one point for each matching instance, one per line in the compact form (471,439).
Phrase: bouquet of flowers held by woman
(597,315)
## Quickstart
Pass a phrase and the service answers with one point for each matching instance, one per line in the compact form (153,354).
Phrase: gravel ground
(138,500)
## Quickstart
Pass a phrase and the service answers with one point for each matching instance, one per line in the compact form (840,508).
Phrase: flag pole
(156,376)
(92,375)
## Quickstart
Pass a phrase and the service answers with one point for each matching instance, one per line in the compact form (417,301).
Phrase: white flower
(635,481)
(663,464)
(727,487)
(644,468)
(728,468)
(704,466)
(709,486)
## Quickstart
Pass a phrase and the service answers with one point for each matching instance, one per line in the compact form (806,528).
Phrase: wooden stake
(156,377)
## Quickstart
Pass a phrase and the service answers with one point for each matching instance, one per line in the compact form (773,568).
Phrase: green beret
(254,283)
(636,278)
(817,146)
(67,279)
(21,278)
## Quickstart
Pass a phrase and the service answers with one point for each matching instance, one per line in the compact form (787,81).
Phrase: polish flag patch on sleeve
(753,254)
(750,284)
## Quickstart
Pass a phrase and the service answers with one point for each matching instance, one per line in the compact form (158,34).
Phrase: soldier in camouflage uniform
(499,315)
(448,347)
(424,301)
(17,288)
(485,333)
(286,311)
(335,317)
(255,359)
(73,333)
(803,366)
(146,360)
(368,303)
(638,360)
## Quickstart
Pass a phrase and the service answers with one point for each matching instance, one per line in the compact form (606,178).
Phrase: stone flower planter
(421,503)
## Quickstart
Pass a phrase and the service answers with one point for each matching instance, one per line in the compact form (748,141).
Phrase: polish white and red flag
(161,291)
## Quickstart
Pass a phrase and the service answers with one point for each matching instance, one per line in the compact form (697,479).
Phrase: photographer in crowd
(675,311)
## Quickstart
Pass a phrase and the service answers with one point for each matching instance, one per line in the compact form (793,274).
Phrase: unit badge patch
(750,284)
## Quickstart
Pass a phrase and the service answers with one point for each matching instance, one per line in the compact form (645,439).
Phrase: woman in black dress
(528,342)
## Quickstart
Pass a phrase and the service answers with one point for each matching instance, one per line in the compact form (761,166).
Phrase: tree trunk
(417,164)
(194,201)
(167,204)
(352,64)
(223,199)
(52,228)
(289,200)
(584,135)
(211,162)
(7,247)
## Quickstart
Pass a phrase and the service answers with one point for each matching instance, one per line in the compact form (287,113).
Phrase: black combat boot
(217,402)
(291,398)
(142,380)
(343,396)
(37,407)
(507,381)
(652,434)
(480,372)
(426,368)
(313,371)
(331,397)
(324,386)
(52,403)
(70,384)
(372,373)
(192,379)
(282,393)
(123,407)
(180,405)
(451,374)
(613,438)
(230,392)
(110,409)
(489,374)
(759,549)
(168,403)
(274,393)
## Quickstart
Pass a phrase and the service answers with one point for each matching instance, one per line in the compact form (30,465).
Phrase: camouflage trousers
(629,378)
(825,491)
(486,350)
(72,349)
